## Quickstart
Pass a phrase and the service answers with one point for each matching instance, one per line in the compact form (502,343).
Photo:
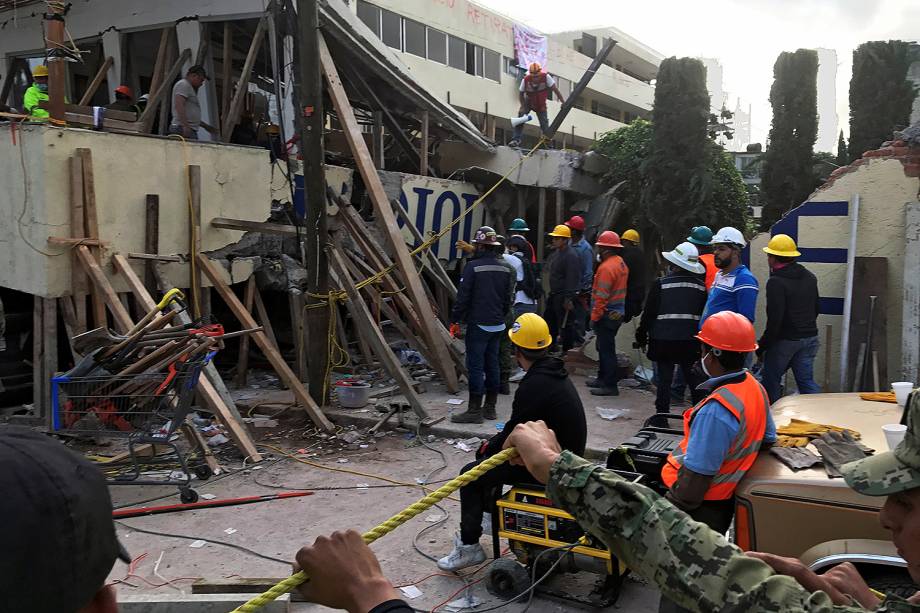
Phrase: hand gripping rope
(389,525)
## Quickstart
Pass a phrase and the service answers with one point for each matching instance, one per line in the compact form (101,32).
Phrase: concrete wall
(35,202)
(821,227)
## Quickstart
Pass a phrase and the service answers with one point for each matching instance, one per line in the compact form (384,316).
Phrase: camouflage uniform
(694,566)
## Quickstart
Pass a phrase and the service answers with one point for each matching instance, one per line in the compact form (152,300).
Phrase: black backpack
(530,284)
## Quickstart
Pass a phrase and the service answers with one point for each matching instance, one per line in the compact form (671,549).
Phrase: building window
(510,67)
(456,53)
(473,59)
(370,15)
(492,65)
(437,46)
(564,85)
(415,37)
(391,29)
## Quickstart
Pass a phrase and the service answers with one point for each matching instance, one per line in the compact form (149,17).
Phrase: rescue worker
(37,92)
(545,393)
(483,299)
(701,236)
(527,289)
(582,312)
(534,91)
(564,283)
(186,109)
(608,308)
(635,262)
(505,352)
(670,321)
(735,288)
(124,100)
(790,339)
(517,227)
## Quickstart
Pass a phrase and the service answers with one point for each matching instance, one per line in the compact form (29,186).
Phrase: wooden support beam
(166,104)
(277,361)
(162,91)
(242,86)
(437,268)
(194,237)
(242,365)
(443,363)
(579,88)
(262,312)
(244,225)
(91,224)
(377,145)
(226,413)
(79,282)
(423,145)
(96,82)
(374,336)
(69,315)
(123,321)
(44,356)
(159,64)
(151,237)
(226,71)
(57,64)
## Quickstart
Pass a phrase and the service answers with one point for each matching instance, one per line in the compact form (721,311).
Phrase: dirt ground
(340,500)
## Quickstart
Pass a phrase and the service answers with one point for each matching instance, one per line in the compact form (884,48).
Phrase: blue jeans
(482,359)
(542,117)
(606,331)
(799,355)
(521,307)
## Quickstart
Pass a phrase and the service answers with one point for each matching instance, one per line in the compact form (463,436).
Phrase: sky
(746,36)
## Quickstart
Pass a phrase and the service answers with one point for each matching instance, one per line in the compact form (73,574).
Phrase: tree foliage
(880,94)
(788,177)
(843,157)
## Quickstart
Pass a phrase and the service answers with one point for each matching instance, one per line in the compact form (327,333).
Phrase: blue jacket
(484,295)
(586,257)
(736,291)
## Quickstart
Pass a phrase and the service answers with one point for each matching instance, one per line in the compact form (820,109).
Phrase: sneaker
(517,376)
(605,391)
(462,556)
(514,143)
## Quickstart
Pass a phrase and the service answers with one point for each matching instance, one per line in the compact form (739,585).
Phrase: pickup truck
(806,514)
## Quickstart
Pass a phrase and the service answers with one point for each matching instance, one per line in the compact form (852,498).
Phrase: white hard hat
(687,256)
(729,235)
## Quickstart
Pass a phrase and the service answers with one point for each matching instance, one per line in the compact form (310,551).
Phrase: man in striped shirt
(735,287)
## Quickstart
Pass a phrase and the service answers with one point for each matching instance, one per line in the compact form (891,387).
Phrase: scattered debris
(197,544)
(609,414)
(410,592)
(455,401)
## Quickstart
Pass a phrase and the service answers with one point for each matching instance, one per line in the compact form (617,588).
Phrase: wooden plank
(227,70)
(295,303)
(433,262)
(151,237)
(123,321)
(38,336)
(443,363)
(194,238)
(226,413)
(49,356)
(96,82)
(65,306)
(580,87)
(262,312)
(271,353)
(242,86)
(91,225)
(377,143)
(83,113)
(162,91)
(166,104)
(372,333)
(245,225)
(159,64)
(423,145)
(910,303)
(242,365)
(79,282)
(871,278)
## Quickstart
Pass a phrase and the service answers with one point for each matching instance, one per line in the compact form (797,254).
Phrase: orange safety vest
(709,262)
(748,402)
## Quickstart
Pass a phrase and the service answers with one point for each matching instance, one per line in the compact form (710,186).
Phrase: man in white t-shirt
(523,302)
(534,91)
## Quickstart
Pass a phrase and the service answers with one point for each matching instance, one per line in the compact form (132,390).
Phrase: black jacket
(564,272)
(671,317)
(792,305)
(485,292)
(635,285)
(547,393)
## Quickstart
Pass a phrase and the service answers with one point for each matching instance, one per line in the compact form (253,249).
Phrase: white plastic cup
(902,390)
(894,434)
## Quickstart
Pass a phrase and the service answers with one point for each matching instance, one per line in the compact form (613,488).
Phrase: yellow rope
(389,525)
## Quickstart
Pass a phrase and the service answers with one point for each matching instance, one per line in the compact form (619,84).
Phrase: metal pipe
(848,296)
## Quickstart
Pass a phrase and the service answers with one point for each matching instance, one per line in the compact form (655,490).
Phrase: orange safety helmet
(608,238)
(535,68)
(124,90)
(728,331)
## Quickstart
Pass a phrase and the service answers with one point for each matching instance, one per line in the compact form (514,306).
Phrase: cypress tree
(880,94)
(842,157)
(788,177)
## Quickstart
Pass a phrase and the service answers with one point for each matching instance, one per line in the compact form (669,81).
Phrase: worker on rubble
(608,308)
(58,538)
(545,393)
(534,92)
(670,321)
(790,339)
(635,262)
(124,101)
(586,256)
(735,288)
(36,93)
(483,299)
(517,227)
(186,109)
(565,272)
(701,237)
(692,565)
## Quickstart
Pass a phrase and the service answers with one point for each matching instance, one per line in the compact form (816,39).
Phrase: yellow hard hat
(40,71)
(561,231)
(530,331)
(630,235)
(783,246)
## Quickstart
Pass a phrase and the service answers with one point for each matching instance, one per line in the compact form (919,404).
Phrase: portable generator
(531,524)
(647,451)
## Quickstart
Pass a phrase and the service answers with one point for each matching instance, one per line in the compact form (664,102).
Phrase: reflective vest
(30,102)
(609,291)
(709,262)
(536,90)
(680,305)
(748,402)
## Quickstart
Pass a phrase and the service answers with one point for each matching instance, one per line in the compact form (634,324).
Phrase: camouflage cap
(890,472)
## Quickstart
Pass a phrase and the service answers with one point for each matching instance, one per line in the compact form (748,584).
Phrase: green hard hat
(519,224)
(700,235)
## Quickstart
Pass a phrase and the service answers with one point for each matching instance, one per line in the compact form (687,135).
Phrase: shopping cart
(146,408)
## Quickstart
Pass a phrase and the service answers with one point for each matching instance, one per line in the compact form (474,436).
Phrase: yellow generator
(546,540)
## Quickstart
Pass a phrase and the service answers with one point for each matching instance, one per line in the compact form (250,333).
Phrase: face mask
(703,365)
(42,87)
(598,257)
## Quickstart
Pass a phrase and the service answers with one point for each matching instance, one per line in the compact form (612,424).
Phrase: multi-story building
(464,53)
(827,101)
(714,83)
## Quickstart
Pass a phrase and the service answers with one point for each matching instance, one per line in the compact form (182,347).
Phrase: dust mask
(703,365)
